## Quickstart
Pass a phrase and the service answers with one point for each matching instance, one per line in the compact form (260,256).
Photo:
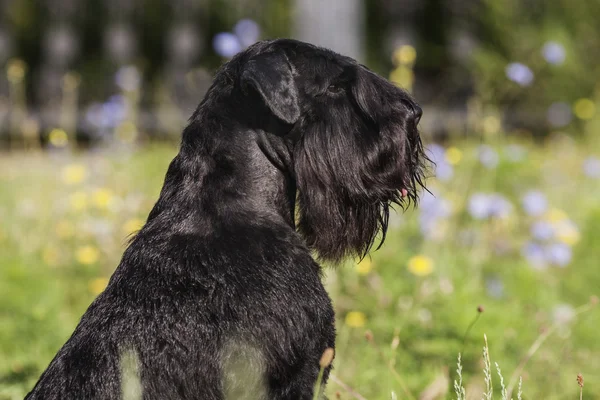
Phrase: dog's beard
(349,175)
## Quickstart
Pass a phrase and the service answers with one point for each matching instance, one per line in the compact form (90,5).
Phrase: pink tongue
(404,192)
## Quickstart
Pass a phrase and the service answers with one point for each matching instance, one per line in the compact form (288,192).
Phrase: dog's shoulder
(237,247)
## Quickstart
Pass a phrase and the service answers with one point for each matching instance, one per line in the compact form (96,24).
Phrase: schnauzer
(295,149)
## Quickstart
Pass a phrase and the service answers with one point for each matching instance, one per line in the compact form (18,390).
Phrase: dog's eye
(333,88)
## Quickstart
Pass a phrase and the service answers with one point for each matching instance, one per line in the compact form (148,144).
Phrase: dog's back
(188,307)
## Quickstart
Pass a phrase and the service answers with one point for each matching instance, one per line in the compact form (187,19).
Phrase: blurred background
(94,95)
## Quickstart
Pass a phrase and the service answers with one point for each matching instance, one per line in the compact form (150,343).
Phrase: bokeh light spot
(404,55)
(98,285)
(87,255)
(420,265)
(453,155)
(15,70)
(58,138)
(364,267)
(132,226)
(78,201)
(102,198)
(402,76)
(74,174)
(356,319)
(584,109)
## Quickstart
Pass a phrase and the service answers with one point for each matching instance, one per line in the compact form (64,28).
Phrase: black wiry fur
(218,296)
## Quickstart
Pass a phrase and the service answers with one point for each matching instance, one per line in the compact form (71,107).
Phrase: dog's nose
(414,110)
(418,111)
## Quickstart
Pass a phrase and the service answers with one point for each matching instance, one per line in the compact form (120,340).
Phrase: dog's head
(352,136)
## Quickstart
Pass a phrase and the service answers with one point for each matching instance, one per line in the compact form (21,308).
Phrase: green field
(514,227)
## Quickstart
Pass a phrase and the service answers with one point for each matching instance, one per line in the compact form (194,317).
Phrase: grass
(404,313)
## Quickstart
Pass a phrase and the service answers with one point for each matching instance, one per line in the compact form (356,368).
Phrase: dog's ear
(272,77)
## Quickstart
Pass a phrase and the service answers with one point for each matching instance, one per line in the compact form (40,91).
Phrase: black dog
(218,296)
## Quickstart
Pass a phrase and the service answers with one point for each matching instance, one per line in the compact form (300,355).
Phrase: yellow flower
(555,215)
(102,198)
(453,155)
(584,108)
(402,76)
(98,285)
(356,319)
(87,255)
(567,233)
(51,256)
(420,265)
(78,201)
(74,174)
(58,138)
(364,267)
(64,229)
(133,225)
(404,55)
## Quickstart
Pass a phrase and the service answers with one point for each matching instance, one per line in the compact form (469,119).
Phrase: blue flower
(535,255)
(428,200)
(479,205)
(495,288)
(519,73)
(428,225)
(559,254)
(483,206)
(247,32)
(107,115)
(559,114)
(226,44)
(534,203)
(95,116)
(499,207)
(542,230)
(443,170)
(591,167)
(488,156)
(435,152)
(554,53)
(433,208)
(115,110)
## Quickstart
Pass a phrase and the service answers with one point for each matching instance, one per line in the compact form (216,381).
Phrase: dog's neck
(223,171)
